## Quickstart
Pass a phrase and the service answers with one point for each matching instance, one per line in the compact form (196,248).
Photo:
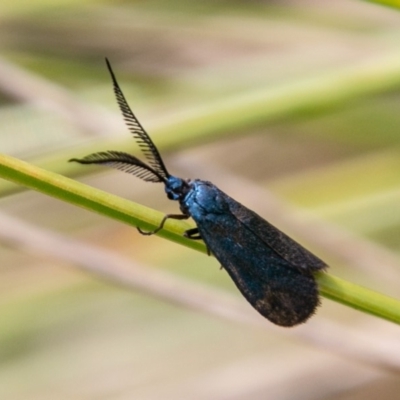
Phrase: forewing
(285,295)
(287,248)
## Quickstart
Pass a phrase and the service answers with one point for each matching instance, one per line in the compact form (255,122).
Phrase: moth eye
(173,195)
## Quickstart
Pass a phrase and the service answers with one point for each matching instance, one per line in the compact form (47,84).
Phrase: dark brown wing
(295,254)
(287,296)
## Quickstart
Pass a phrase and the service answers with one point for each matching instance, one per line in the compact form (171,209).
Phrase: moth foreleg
(167,216)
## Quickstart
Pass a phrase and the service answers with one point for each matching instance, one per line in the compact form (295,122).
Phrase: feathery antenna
(142,138)
(124,162)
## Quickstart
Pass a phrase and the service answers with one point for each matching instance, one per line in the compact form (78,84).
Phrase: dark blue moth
(273,272)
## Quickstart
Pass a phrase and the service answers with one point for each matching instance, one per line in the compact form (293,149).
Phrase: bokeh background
(300,103)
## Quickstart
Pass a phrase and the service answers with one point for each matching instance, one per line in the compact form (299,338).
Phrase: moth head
(176,188)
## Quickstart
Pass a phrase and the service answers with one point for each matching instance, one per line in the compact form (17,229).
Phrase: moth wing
(287,248)
(285,295)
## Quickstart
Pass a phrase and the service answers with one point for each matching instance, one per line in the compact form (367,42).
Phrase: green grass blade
(96,200)
(389,3)
(84,196)
(359,297)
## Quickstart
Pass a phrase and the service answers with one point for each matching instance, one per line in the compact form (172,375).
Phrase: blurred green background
(319,83)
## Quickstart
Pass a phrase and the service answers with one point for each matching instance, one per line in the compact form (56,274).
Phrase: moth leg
(192,234)
(167,216)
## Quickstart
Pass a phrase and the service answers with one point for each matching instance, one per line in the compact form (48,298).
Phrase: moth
(272,271)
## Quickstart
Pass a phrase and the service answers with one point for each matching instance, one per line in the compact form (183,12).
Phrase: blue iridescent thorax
(203,199)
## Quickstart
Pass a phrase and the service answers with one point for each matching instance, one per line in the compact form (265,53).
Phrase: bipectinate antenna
(124,162)
(142,138)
